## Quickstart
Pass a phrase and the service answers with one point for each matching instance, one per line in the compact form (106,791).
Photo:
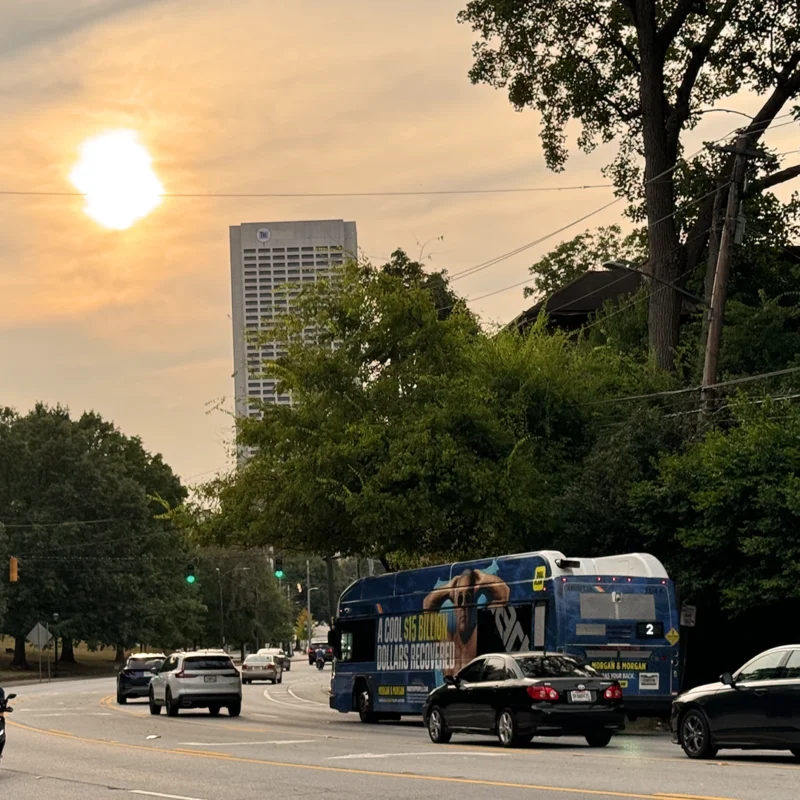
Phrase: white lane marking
(158,794)
(304,699)
(259,714)
(295,706)
(246,744)
(466,753)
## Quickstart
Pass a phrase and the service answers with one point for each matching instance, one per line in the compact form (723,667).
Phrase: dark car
(757,707)
(312,652)
(524,695)
(134,678)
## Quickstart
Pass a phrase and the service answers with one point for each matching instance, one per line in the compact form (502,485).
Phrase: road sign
(39,637)
(688,616)
(672,636)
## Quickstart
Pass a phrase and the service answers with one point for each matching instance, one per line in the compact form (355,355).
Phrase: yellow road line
(208,754)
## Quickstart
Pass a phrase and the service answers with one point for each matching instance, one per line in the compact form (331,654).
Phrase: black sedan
(524,695)
(134,678)
(757,707)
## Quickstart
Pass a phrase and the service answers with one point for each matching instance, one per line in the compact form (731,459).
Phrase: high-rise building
(270,264)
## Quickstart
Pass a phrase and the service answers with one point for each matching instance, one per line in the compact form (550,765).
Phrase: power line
(686,205)
(59,524)
(492,262)
(719,385)
(414,193)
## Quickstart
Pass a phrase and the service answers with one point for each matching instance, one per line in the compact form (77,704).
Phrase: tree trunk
(666,256)
(67,651)
(119,657)
(20,660)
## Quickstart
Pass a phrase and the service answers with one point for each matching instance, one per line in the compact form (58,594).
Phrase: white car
(279,653)
(197,679)
(260,667)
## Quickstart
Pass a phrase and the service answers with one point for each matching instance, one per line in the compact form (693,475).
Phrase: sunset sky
(244,96)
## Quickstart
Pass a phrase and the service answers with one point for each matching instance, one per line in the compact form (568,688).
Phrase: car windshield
(555,667)
(209,663)
(144,663)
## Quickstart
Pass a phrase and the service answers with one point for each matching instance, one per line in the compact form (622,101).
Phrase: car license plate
(211,678)
(580,697)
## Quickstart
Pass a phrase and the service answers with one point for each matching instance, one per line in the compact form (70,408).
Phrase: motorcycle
(320,663)
(5,708)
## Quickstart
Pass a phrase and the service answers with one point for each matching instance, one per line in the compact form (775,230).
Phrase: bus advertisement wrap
(401,633)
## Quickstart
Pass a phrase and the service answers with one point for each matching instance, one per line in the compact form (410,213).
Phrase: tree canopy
(642,73)
(77,504)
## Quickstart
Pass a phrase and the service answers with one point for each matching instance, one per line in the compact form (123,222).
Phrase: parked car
(133,679)
(197,679)
(285,660)
(264,667)
(524,695)
(312,652)
(758,707)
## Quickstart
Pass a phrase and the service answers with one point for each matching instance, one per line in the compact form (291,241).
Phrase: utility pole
(720,291)
(221,612)
(308,599)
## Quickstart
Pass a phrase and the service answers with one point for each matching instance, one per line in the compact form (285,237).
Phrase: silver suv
(197,679)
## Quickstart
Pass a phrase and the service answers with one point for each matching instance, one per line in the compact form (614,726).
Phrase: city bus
(396,636)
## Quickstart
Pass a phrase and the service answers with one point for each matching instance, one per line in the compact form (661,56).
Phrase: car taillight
(614,692)
(183,674)
(244,667)
(543,693)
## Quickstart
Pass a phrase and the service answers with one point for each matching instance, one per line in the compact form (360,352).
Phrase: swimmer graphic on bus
(465,593)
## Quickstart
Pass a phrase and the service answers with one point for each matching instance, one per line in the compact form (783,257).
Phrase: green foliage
(724,511)
(413,434)
(75,497)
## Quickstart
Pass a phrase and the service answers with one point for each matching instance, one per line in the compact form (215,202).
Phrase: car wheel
(214,710)
(121,699)
(364,701)
(598,738)
(234,709)
(280,680)
(273,681)
(695,735)
(796,752)
(171,705)
(155,709)
(507,729)
(437,727)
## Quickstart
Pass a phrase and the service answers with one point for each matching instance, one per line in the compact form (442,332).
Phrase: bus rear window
(617,605)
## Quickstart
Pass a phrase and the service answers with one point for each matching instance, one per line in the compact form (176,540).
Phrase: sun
(115,173)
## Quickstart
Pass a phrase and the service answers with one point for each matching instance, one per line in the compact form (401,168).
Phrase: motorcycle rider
(4,708)
(320,658)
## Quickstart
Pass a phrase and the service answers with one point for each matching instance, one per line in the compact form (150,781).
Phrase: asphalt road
(71,740)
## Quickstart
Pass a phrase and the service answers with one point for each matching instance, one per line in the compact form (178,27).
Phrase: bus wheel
(364,703)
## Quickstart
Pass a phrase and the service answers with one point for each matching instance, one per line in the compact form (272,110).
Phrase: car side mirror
(451,680)
(10,697)
(727,679)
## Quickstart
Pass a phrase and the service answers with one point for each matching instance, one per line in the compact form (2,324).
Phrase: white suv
(197,679)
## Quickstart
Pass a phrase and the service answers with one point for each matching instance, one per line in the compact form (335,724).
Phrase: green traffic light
(279,573)
(190,579)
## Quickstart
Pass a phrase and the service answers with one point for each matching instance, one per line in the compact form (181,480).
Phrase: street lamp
(220,576)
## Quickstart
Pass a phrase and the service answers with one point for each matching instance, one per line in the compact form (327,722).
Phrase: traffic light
(299,588)
(279,573)
(190,576)
(13,570)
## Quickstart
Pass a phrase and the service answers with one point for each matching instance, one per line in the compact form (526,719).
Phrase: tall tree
(642,72)
(75,495)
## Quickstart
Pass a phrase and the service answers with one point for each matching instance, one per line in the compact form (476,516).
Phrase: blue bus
(397,635)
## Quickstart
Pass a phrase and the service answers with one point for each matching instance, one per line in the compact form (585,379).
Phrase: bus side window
(539,625)
(358,640)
